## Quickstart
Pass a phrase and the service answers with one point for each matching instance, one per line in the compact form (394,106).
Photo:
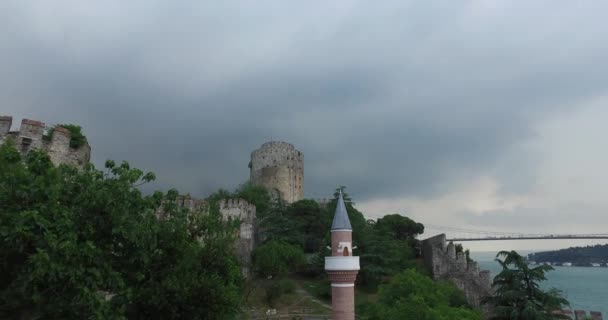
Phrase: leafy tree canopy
(276,258)
(86,244)
(399,227)
(256,195)
(412,295)
(77,139)
(386,246)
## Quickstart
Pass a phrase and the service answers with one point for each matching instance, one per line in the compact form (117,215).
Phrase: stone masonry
(279,167)
(229,208)
(446,264)
(246,213)
(31,136)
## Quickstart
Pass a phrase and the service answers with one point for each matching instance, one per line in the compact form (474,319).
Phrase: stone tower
(279,167)
(342,267)
(31,135)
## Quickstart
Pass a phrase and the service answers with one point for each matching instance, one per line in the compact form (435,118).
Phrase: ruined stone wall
(30,136)
(446,264)
(246,213)
(5,125)
(229,209)
(279,166)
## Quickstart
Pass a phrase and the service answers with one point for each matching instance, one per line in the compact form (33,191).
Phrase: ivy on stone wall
(78,139)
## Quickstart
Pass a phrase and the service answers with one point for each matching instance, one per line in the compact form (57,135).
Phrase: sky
(484,115)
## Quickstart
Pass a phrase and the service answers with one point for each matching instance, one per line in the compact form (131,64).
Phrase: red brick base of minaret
(343,303)
(343,294)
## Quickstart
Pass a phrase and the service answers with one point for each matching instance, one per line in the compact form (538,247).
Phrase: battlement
(229,209)
(31,135)
(447,264)
(459,261)
(234,203)
(277,145)
(279,167)
(238,208)
(192,204)
(452,261)
(282,151)
(28,122)
(62,130)
(246,212)
(5,125)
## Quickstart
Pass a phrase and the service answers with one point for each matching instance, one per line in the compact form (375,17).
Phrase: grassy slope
(309,297)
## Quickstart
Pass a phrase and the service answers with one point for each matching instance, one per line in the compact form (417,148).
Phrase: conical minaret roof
(341,221)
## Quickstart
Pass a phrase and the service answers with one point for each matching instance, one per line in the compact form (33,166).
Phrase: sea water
(586,288)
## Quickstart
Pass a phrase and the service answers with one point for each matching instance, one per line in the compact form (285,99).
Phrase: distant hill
(578,256)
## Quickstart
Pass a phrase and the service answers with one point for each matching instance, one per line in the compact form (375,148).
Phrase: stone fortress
(279,167)
(33,135)
(229,209)
(245,212)
(447,264)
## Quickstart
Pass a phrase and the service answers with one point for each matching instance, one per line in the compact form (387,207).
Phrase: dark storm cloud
(389,99)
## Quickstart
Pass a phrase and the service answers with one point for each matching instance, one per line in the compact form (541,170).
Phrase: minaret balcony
(339,263)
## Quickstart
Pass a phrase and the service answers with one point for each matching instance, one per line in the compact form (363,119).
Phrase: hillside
(578,256)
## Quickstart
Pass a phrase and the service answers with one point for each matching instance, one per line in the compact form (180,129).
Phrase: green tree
(309,224)
(399,227)
(277,258)
(86,244)
(256,195)
(411,295)
(77,139)
(385,246)
(518,295)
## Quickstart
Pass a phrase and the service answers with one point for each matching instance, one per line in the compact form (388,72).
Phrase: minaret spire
(342,267)
(341,221)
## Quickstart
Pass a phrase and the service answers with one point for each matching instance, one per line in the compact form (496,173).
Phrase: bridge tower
(342,267)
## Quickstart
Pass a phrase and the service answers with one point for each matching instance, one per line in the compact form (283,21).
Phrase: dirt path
(306,294)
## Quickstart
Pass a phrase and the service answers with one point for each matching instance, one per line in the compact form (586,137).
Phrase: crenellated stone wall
(229,209)
(279,167)
(31,135)
(192,204)
(246,213)
(446,264)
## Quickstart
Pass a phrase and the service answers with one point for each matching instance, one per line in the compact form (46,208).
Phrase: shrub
(77,138)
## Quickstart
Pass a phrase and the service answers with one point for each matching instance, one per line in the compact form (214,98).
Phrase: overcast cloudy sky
(485,115)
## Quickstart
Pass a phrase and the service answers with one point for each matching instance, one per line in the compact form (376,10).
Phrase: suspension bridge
(461,234)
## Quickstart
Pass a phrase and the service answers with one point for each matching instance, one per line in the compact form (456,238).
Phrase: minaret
(342,267)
